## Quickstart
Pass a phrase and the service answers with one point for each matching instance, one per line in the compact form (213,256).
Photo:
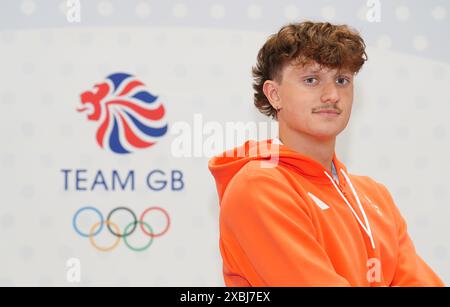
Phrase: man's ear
(270,89)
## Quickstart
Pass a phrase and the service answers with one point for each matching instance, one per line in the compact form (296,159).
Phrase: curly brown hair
(331,46)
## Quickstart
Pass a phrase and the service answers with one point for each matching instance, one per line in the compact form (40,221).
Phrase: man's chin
(325,135)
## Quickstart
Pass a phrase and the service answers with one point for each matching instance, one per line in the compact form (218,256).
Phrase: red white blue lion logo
(130,117)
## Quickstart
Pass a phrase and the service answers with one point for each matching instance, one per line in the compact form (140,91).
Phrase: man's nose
(330,93)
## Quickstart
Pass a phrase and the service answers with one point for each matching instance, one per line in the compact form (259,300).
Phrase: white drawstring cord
(366,226)
(366,220)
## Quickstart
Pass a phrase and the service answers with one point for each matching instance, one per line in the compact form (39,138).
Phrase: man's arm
(411,268)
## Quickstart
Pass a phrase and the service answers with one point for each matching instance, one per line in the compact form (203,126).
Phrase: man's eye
(342,81)
(311,81)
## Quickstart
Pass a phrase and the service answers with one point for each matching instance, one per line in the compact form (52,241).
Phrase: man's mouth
(328,112)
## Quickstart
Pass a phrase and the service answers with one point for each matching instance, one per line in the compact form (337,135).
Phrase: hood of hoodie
(226,165)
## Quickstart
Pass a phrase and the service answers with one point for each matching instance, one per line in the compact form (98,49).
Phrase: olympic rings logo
(114,229)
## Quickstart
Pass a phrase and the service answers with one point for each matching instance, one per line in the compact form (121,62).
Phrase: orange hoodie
(284,221)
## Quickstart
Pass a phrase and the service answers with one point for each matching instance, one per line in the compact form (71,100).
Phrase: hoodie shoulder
(256,171)
(365,181)
(258,187)
(255,179)
(369,183)
(261,168)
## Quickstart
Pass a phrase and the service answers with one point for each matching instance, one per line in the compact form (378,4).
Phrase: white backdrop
(196,56)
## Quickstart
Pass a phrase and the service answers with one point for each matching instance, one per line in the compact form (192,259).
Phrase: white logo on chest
(318,201)
(374,206)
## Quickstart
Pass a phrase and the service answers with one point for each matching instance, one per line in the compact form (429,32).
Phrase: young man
(307,221)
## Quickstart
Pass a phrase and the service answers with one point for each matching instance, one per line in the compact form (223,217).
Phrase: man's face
(306,91)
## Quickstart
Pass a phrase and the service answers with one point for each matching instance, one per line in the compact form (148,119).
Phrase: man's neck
(318,149)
